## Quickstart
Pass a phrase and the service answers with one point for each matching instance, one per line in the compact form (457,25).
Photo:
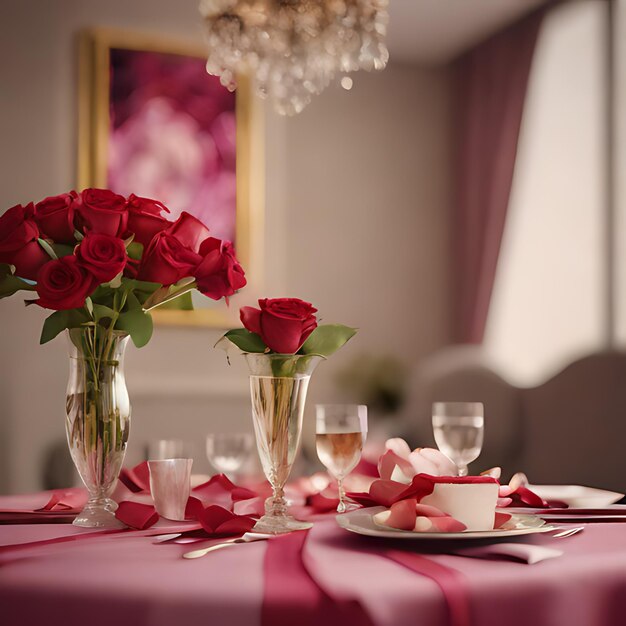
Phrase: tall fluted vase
(98,417)
(278,387)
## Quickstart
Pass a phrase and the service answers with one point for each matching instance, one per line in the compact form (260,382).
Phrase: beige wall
(357,197)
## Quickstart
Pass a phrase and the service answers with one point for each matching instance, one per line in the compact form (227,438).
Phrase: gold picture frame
(93,138)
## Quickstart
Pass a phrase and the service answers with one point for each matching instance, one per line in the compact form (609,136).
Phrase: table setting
(412,535)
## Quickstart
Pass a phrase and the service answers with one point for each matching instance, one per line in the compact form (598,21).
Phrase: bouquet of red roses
(101,260)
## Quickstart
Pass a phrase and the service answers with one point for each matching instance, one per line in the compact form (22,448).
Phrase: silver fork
(568,532)
(246,538)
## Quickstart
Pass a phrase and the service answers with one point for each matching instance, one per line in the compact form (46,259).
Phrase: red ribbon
(292,596)
(450,581)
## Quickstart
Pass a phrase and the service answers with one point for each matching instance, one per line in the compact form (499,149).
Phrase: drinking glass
(459,429)
(170,486)
(227,452)
(341,430)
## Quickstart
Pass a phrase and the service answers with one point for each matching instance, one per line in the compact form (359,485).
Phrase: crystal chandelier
(294,48)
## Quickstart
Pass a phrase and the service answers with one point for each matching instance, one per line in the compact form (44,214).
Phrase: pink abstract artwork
(173,136)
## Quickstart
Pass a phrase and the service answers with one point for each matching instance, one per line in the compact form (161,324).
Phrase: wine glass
(459,429)
(341,430)
(227,452)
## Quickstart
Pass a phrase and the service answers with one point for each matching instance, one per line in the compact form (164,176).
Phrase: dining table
(57,573)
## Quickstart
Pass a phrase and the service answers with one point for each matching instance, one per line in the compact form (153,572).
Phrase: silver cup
(170,484)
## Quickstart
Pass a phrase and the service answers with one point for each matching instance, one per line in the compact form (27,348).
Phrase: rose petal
(136,515)
(399,446)
(501,519)
(251,319)
(402,515)
(445,467)
(422,465)
(447,524)
(423,524)
(388,462)
(426,510)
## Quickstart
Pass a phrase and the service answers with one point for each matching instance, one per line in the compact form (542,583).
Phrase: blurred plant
(380,381)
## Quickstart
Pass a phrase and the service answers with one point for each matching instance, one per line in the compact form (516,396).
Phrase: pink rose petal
(448,524)
(402,515)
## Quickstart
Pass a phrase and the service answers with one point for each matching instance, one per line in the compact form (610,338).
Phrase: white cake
(474,504)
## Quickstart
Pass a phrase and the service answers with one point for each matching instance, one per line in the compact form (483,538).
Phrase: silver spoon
(568,532)
(246,538)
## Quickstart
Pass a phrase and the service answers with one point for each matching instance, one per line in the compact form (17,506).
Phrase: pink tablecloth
(128,581)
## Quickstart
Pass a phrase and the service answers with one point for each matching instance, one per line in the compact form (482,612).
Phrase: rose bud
(55,217)
(101,211)
(167,260)
(18,241)
(283,323)
(145,219)
(189,230)
(219,274)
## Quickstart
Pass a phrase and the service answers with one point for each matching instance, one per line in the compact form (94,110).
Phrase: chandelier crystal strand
(293,48)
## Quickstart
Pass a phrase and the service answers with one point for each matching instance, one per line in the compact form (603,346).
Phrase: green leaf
(48,248)
(135,250)
(53,325)
(89,305)
(181,303)
(58,322)
(327,339)
(116,282)
(62,250)
(100,311)
(244,340)
(5,270)
(11,284)
(138,324)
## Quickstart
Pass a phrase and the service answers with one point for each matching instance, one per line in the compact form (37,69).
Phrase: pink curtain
(491,80)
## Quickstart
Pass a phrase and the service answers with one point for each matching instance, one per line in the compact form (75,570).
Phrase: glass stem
(463,470)
(341,507)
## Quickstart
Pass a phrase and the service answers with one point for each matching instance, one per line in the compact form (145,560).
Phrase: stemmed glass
(341,430)
(227,452)
(459,429)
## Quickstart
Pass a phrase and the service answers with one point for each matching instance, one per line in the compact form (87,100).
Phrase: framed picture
(154,123)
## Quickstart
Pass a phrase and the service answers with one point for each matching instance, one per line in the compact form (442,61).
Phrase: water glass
(341,430)
(227,452)
(459,429)
(170,485)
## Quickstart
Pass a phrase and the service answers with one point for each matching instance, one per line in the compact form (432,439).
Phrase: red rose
(102,255)
(283,323)
(219,273)
(167,260)
(18,241)
(64,284)
(102,211)
(189,230)
(55,217)
(145,219)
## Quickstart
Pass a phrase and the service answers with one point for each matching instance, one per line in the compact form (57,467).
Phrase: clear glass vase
(278,386)
(98,418)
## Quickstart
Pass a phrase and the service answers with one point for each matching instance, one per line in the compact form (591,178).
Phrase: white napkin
(522,552)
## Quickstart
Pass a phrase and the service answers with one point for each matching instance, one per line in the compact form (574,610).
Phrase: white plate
(361,522)
(577,496)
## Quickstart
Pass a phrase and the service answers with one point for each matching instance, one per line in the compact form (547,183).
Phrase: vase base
(98,514)
(279,524)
